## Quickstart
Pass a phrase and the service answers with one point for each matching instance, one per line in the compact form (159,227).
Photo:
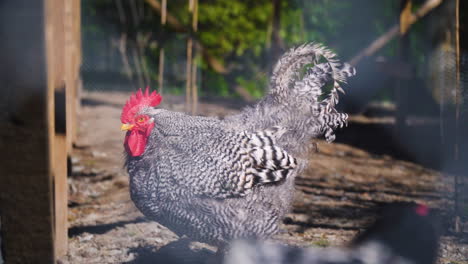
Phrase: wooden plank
(56,38)
(69,68)
(60,174)
(78,62)
(61,196)
(72,31)
(40,109)
(72,63)
(26,192)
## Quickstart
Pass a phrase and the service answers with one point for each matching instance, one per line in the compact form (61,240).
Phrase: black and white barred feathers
(266,161)
(215,180)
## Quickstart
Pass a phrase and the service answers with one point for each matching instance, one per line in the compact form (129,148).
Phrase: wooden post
(58,66)
(27,134)
(191,92)
(188,85)
(161,71)
(72,62)
(177,26)
(188,74)
(276,41)
(194,64)
(456,154)
(41,57)
(194,85)
(161,49)
(77,66)
(402,85)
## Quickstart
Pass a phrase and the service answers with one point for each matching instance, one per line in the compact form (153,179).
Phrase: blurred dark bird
(215,180)
(404,234)
(407,229)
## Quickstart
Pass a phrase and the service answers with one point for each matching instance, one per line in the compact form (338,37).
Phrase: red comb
(422,210)
(138,101)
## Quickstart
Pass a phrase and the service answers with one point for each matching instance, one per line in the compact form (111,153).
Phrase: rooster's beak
(126,127)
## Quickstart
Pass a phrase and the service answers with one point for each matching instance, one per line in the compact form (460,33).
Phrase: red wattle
(135,142)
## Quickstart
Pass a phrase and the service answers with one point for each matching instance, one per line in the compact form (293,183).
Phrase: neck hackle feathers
(138,101)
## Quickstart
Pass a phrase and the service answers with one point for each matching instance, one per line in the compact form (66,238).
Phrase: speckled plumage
(215,180)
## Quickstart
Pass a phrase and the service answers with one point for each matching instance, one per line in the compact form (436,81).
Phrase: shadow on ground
(177,252)
(100,229)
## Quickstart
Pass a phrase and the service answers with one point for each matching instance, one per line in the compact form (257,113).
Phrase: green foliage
(215,84)
(255,86)
(237,33)
(304,21)
(232,27)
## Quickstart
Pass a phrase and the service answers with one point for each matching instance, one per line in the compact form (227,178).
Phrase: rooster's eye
(140,119)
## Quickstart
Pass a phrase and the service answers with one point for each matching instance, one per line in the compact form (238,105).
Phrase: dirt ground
(335,197)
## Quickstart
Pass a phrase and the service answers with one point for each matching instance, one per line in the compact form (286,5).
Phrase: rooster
(216,180)
(404,234)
